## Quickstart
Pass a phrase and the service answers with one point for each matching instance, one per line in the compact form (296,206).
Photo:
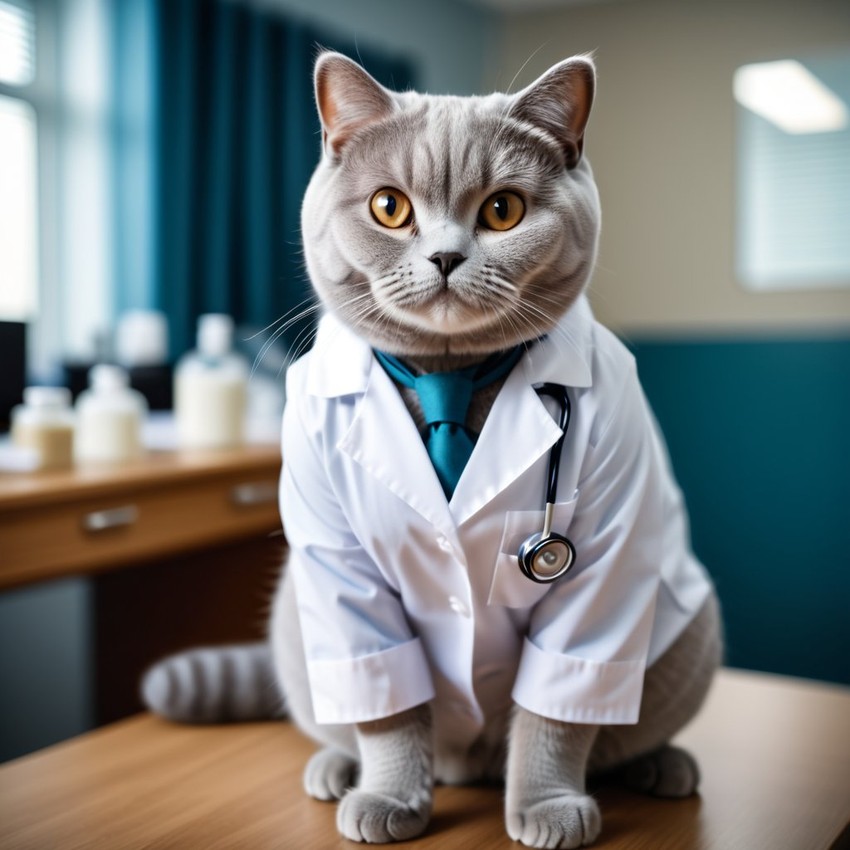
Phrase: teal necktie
(445,399)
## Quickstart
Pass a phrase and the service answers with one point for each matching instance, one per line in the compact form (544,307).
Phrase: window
(18,164)
(55,236)
(793,229)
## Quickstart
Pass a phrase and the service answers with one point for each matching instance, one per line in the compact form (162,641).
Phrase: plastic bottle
(141,347)
(210,388)
(44,423)
(109,418)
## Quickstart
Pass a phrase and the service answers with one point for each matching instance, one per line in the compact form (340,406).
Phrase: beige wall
(449,42)
(661,140)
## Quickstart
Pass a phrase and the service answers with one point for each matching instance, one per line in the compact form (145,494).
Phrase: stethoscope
(546,555)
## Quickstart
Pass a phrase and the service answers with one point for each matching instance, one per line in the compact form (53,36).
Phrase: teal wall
(759,435)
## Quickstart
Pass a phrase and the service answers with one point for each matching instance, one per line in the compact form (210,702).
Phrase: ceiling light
(788,95)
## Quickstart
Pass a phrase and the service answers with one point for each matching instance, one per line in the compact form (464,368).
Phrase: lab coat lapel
(520,428)
(517,431)
(384,440)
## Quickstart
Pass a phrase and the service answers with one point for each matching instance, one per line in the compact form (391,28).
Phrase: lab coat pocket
(509,586)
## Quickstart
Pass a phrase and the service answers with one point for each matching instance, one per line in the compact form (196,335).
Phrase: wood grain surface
(775,755)
(154,469)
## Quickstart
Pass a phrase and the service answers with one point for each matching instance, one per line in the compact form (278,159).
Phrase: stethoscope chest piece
(546,558)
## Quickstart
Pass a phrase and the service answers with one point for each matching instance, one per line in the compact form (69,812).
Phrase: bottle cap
(105,378)
(47,397)
(215,334)
(142,338)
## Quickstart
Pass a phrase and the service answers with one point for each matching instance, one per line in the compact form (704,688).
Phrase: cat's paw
(329,774)
(567,820)
(667,772)
(379,818)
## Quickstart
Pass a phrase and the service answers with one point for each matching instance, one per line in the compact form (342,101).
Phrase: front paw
(379,818)
(329,774)
(568,820)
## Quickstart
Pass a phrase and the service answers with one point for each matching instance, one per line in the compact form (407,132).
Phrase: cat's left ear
(559,102)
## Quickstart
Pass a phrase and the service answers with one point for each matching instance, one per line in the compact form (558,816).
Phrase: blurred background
(153,154)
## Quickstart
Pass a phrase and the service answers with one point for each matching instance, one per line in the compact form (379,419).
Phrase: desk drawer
(99,533)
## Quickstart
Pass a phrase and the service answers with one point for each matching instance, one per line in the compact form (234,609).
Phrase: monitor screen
(12,368)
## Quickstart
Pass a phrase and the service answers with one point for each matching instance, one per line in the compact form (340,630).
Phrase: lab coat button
(445,544)
(458,606)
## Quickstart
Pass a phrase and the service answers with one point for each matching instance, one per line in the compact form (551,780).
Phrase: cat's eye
(391,208)
(501,211)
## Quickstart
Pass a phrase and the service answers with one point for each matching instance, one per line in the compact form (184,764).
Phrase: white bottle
(109,418)
(44,423)
(210,388)
(142,338)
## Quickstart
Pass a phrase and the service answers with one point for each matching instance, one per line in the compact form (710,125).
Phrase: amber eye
(501,211)
(391,208)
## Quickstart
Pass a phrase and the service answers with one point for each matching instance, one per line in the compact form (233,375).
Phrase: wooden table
(775,755)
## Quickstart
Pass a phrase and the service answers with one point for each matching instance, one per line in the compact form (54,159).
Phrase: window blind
(17,42)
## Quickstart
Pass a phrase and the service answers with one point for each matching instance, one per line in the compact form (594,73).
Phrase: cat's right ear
(348,100)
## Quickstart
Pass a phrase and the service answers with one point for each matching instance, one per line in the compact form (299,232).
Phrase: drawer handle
(114,518)
(258,493)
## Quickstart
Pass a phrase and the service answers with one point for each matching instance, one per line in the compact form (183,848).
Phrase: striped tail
(215,685)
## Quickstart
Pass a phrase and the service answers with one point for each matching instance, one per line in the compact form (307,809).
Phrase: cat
(444,230)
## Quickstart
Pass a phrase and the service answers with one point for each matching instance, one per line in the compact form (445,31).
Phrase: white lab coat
(403,597)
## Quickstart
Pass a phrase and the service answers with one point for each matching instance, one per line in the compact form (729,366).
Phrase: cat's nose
(447,262)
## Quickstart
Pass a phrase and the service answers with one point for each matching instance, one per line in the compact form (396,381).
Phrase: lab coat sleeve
(363,661)
(584,656)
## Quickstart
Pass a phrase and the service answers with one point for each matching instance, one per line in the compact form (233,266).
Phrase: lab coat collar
(564,356)
(343,364)
(342,361)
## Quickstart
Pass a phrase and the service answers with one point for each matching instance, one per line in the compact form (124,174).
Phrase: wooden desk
(775,755)
(97,518)
(177,549)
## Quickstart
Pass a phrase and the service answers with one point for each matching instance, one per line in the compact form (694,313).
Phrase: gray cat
(404,637)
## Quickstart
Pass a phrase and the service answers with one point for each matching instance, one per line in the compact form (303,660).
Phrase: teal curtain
(237,138)
(132,145)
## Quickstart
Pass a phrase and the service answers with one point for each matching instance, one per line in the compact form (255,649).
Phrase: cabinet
(99,518)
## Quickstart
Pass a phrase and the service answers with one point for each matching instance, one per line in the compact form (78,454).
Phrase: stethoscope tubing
(558,393)
(547,541)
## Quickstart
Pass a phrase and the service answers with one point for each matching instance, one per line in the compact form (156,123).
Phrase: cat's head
(451,225)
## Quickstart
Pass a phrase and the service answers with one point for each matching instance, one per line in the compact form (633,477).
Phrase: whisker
(522,67)
(279,332)
(302,341)
(307,300)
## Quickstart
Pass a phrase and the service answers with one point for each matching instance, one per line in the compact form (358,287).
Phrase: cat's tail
(215,685)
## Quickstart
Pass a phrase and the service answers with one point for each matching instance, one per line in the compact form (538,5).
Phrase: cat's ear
(348,100)
(559,102)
